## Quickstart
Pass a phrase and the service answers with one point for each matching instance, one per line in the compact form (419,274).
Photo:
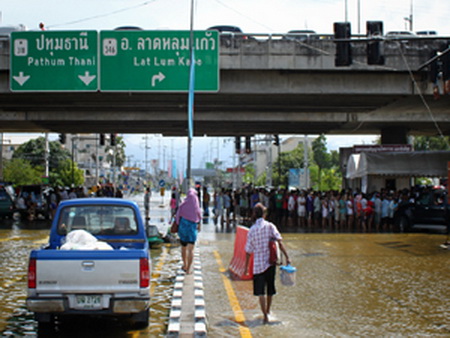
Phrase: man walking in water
(258,239)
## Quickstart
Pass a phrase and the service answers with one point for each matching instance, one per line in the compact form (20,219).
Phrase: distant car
(226,29)
(229,34)
(128,28)
(301,35)
(429,212)
(7,207)
(426,33)
(400,34)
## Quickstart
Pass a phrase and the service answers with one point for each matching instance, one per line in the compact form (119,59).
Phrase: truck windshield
(98,220)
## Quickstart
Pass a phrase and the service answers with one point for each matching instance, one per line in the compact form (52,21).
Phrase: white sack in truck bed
(83,240)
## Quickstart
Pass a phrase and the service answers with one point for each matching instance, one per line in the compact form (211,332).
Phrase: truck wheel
(141,319)
(403,224)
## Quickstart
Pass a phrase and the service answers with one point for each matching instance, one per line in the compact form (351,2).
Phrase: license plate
(89,302)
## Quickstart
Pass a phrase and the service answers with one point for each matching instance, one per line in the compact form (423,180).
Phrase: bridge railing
(307,51)
(317,51)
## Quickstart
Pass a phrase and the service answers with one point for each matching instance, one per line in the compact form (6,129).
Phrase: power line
(243,15)
(103,15)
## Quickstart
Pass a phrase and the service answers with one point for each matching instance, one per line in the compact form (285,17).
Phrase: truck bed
(81,271)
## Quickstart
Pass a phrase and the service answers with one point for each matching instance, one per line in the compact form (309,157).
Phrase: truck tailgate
(60,271)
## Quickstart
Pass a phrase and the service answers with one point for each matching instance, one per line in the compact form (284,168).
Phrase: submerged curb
(187,287)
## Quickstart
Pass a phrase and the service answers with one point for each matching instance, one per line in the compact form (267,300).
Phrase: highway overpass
(268,85)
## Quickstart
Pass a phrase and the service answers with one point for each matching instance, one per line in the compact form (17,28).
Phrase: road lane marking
(234,302)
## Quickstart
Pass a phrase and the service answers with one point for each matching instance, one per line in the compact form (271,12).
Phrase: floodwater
(346,285)
(18,238)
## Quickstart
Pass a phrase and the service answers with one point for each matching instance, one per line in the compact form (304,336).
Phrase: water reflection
(17,239)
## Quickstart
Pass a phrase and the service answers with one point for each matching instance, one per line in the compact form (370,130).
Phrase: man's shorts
(264,280)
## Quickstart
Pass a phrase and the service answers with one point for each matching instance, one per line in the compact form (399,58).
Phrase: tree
(34,152)
(431,143)
(320,156)
(334,158)
(60,163)
(331,179)
(249,174)
(21,172)
(67,174)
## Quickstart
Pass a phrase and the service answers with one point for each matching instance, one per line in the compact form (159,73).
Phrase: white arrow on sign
(159,77)
(86,78)
(21,79)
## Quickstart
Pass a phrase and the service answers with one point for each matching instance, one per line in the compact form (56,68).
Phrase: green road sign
(54,61)
(157,60)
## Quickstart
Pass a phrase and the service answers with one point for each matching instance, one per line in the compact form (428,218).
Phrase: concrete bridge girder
(270,86)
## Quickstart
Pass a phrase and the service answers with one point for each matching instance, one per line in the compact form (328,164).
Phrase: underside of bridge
(222,114)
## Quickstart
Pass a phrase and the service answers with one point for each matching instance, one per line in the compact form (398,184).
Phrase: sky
(252,16)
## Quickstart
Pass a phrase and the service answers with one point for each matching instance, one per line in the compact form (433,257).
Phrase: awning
(412,164)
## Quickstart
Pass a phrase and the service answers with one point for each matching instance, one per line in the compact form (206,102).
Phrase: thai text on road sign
(54,61)
(158,60)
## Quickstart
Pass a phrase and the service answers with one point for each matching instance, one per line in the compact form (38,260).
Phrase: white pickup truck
(111,279)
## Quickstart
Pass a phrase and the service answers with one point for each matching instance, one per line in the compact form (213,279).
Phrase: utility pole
(279,164)
(359,16)
(146,153)
(96,160)
(306,161)
(114,166)
(47,156)
(409,18)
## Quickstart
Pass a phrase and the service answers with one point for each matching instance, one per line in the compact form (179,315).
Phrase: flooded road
(18,238)
(346,285)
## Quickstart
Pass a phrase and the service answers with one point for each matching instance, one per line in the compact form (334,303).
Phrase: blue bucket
(287,275)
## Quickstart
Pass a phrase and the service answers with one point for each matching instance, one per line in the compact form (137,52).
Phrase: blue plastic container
(287,275)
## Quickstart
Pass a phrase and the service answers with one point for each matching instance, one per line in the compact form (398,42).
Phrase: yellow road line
(157,270)
(234,302)
(14,238)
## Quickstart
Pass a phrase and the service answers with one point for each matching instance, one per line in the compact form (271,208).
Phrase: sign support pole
(190,99)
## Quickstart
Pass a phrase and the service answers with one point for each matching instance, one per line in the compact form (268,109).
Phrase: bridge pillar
(394,135)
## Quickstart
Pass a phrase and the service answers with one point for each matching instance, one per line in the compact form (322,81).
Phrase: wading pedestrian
(258,239)
(188,217)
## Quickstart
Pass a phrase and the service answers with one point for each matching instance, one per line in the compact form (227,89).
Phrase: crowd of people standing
(45,201)
(310,210)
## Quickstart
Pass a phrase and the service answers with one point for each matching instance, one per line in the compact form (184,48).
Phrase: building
(393,168)
(265,155)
